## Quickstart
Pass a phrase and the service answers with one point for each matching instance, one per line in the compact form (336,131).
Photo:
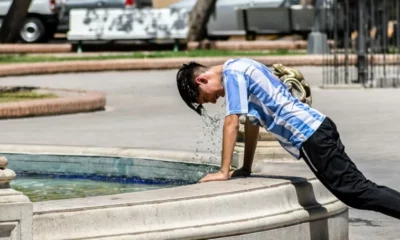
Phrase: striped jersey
(252,89)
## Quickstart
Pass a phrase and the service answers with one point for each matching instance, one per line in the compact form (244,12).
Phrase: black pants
(324,154)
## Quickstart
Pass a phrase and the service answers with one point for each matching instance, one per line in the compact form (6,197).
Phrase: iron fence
(364,42)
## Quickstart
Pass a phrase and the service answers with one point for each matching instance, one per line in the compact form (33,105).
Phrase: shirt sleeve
(235,92)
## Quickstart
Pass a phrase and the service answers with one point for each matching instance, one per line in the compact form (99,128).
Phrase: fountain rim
(125,199)
(142,153)
(267,211)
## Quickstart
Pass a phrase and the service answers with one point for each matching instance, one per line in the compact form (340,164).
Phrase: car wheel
(33,30)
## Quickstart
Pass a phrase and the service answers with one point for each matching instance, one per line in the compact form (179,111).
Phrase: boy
(251,89)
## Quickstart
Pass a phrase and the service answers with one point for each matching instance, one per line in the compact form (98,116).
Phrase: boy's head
(198,84)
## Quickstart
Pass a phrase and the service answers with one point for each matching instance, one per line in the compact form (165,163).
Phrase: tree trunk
(14,20)
(198,19)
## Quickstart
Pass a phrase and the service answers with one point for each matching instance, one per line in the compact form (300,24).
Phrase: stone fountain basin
(281,201)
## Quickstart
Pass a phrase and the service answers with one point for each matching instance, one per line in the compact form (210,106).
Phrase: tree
(198,19)
(14,20)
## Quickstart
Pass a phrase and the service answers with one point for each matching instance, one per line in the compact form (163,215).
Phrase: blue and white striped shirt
(253,90)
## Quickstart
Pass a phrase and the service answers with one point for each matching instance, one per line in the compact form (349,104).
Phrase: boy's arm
(250,143)
(231,126)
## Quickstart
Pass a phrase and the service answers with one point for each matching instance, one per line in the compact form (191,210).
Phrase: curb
(35,48)
(220,45)
(87,101)
(342,86)
(165,63)
(141,64)
(249,45)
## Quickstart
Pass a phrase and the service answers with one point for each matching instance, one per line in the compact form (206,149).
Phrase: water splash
(211,136)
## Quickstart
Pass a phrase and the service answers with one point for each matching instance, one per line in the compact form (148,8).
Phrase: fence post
(361,55)
(317,41)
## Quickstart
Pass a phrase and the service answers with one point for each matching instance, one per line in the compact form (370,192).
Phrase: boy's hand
(241,172)
(218,176)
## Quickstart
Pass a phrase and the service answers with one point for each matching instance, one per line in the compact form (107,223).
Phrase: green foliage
(23,95)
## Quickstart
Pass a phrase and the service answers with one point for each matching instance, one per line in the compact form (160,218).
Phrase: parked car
(244,17)
(40,23)
(68,5)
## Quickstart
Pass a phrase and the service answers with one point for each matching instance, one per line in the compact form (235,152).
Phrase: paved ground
(144,110)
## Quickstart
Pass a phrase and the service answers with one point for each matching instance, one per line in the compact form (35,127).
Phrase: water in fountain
(45,187)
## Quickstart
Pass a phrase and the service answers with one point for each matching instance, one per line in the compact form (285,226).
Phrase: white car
(41,21)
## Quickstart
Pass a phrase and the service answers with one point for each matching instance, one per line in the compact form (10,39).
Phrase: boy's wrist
(225,172)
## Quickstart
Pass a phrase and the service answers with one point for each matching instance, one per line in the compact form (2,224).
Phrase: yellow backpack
(295,81)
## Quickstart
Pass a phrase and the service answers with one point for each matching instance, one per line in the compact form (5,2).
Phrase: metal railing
(364,42)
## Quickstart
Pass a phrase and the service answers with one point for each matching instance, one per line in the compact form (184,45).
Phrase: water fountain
(281,201)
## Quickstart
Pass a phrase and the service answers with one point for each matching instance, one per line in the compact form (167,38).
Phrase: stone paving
(144,110)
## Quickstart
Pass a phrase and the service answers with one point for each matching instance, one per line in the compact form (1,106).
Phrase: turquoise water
(44,188)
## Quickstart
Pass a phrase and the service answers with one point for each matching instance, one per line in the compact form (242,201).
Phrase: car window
(115,3)
(94,3)
(269,3)
(234,2)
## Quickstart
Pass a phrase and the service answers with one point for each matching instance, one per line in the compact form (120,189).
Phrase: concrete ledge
(71,101)
(35,48)
(272,204)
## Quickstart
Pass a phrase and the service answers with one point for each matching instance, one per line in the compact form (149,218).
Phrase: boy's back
(252,89)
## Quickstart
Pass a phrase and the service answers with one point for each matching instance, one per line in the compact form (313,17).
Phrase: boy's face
(210,88)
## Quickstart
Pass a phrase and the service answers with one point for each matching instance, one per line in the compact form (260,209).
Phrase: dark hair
(187,86)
